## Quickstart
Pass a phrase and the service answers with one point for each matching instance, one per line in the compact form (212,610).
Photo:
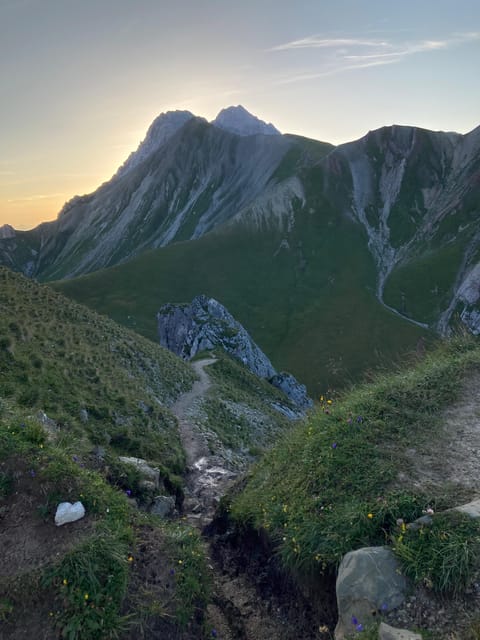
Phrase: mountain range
(334,258)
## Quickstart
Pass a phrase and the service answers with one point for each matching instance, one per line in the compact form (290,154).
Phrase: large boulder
(368,581)
(205,324)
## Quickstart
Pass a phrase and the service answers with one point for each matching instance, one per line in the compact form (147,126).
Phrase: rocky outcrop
(205,324)
(369,581)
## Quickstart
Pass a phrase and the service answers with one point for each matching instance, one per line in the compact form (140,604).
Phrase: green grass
(443,556)
(99,384)
(88,584)
(331,485)
(65,360)
(239,408)
(421,288)
(311,308)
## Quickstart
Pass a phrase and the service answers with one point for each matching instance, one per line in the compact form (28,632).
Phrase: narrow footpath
(238,611)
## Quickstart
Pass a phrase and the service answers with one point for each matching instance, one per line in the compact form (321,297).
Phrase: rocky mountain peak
(6,231)
(159,132)
(238,120)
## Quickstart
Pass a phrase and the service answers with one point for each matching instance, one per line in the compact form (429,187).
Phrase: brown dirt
(151,592)
(30,540)
(452,459)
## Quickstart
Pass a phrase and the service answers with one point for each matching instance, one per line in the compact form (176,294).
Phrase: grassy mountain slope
(65,360)
(76,392)
(382,452)
(69,381)
(306,295)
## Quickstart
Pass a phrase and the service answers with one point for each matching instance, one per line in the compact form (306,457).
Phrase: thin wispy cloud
(41,196)
(316,42)
(338,55)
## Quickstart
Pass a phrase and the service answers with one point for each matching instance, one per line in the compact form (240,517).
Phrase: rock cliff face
(206,324)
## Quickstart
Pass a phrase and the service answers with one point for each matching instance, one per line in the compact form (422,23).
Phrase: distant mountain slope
(185,179)
(334,241)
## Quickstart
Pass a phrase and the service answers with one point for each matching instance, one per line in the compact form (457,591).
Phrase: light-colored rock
(369,580)
(149,473)
(472,509)
(163,506)
(68,512)
(386,632)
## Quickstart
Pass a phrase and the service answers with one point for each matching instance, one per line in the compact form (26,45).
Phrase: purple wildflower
(75,458)
(384,606)
(128,492)
(172,572)
(214,633)
(354,620)
(359,419)
(32,473)
(334,445)
(359,627)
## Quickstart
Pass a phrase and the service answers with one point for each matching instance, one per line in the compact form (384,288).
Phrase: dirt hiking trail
(238,610)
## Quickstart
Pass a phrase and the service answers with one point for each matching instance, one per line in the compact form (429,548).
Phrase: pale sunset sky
(81,80)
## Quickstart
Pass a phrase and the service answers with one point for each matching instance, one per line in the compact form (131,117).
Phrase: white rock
(68,512)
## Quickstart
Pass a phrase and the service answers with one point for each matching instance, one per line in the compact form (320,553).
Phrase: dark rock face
(206,324)
(292,388)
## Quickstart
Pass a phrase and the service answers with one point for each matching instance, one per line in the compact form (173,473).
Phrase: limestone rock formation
(205,324)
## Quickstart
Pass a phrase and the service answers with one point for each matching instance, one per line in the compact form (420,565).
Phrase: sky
(81,80)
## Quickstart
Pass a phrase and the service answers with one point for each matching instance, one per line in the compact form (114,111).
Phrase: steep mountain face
(184,180)
(417,195)
(159,132)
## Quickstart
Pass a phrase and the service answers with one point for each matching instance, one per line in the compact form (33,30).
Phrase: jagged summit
(6,231)
(238,120)
(159,132)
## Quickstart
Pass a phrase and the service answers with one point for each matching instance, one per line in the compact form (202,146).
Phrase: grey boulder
(368,581)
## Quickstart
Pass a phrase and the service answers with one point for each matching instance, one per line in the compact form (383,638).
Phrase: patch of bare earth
(447,467)
(29,540)
(451,459)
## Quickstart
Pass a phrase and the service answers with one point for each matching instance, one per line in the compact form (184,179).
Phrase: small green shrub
(91,583)
(443,556)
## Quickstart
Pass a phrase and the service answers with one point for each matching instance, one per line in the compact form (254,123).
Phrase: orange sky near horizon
(82,81)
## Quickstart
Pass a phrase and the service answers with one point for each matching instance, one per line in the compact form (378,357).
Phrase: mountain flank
(386,225)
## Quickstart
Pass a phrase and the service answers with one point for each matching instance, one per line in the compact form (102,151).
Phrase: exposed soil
(453,455)
(153,582)
(208,476)
(30,540)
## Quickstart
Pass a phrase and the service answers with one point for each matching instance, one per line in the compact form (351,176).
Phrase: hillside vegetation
(75,392)
(381,455)
(310,305)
